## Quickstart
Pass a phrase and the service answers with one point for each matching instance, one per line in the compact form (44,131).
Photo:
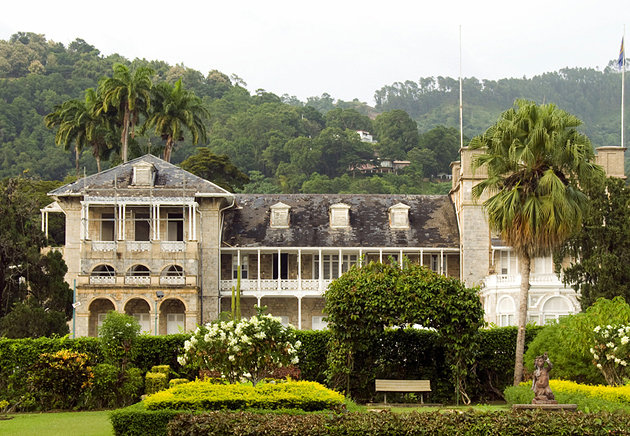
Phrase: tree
(68,118)
(175,109)
(537,163)
(396,132)
(601,249)
(216,168)
(34,298)
(444,142)
(128,93)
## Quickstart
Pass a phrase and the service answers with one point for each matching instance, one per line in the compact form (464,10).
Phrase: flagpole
(461,119)
(623,77)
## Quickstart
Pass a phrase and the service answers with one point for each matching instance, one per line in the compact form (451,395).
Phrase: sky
(346,48)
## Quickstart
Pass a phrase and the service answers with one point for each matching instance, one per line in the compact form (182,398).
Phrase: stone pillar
(209,234)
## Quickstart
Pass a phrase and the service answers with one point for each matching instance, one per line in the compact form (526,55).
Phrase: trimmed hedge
(538,423)
(136,420)
(588,398)
(403,354)
(202,395)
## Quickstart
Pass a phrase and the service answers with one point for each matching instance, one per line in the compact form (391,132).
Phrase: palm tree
(81,122)
(174,109)
(536,162)
(67,119)
(130,94)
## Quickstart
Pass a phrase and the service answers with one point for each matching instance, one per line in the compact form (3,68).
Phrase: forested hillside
(281,143)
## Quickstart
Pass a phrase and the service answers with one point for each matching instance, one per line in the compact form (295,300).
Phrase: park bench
(383,385)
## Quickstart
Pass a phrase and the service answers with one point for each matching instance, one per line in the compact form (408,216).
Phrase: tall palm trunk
(525,267)
(124,137)
(167,148)
(76,158)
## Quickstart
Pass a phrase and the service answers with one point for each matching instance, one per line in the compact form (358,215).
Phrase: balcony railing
(137,280)
(138,246)
(102,280)
(515,279)
(173,246)
(103,245)
(172,280)
(271,285)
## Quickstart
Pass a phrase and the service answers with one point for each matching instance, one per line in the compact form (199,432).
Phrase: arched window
(138,275)
(554,309)
(103,274)
(173,275)
(506,312)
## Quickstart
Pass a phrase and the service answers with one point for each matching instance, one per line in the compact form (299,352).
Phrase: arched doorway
(172,317)
(98,311)
(141,311)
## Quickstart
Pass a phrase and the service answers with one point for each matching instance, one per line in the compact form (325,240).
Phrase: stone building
(154,241)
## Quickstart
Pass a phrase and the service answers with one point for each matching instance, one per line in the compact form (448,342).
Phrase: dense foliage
(205,395)
(602,245)
(35,300)
(386,423)
(568,342)
(587,397)
(366,299)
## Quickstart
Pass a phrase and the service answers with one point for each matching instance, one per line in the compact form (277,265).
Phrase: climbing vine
(368,299)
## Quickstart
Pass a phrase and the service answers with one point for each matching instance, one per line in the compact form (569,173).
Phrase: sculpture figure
(540,381)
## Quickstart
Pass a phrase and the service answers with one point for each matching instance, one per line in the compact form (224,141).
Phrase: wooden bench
(403,386)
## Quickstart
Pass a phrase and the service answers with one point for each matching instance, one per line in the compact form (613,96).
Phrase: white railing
(102,280)
(515,280)
(138,246)
(172,280)
(544,278)
(137,280)
(103,245)
(173,246)
(272,285)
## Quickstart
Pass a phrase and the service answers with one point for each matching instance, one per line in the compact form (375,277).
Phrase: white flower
(207,337)
(260,335)
(609,357)
(595,356)
(187,345)
(597,329)
(605,334)
(624,340)
(623,363)
(298,344)
(609,327)
(181,360)
(236,348)
(128,324)
(295,360)
(617,360)
(246,339)
(599,365)
(610,345)
(231,358)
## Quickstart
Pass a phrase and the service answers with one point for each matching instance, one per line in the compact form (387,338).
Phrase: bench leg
(421,398)
(385,397)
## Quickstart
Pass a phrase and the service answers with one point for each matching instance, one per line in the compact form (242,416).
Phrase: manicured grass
(58,424)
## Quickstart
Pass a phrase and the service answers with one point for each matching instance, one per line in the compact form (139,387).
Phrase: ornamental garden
(256,376)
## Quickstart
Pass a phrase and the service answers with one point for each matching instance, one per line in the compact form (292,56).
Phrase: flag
(622,56)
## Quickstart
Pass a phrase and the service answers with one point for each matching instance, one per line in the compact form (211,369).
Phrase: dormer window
(339,215)
(399,216)
(279,216)
(143,174)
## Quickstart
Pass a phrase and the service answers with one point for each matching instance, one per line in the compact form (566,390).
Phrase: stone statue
(540,382)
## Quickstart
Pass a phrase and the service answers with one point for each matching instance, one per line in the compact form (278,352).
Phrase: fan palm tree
(173,110)
(129,93)
(536,162)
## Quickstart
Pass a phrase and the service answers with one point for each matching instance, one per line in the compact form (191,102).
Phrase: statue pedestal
(545,406)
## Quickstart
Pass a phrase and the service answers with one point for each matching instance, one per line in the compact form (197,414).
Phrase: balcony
(514,280)
(275,287)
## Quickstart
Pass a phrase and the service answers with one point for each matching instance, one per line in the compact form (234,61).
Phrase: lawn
(58,424)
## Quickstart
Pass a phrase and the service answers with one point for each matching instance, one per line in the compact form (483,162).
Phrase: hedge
(136,420)
(402,354)
(538,423)
(203,395)
(588,398)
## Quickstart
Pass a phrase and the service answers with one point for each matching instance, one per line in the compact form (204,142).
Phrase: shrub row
(402,354)
(203,395)
(136,420)
(386,423)
(587,398)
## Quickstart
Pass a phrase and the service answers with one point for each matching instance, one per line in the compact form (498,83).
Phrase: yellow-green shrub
(177,381)
(164,369)
(202,395)
(617,394)
(155,382)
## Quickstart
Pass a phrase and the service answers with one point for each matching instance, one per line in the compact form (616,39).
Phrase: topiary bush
(155,382)
(202,395)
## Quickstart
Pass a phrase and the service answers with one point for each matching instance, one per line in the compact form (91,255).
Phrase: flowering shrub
(248,349)
(118,337)
(611,352)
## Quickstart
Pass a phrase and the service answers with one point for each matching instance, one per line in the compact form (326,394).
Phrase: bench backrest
(383,385)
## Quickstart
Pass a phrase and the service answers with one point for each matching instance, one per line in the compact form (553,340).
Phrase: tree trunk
(98,164)
(125,135)
(76,157)
(167,148)
(525,261)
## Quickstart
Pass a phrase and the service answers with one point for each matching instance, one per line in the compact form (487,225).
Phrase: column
(190,214)
(340,262)
(400,258)
(299,313)
(279,271)
(259,274)
(299,267)
(320,266)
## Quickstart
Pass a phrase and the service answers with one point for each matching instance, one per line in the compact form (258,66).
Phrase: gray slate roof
(432,221)
(170,181)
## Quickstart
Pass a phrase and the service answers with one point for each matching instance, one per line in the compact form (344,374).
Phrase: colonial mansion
(151,240)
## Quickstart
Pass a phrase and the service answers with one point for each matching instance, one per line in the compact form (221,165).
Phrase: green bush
(59,380)
(162,369)
(202,395)
(155,382)
(118,335)
(136,420)
(312,354)
(538,423)
(113,388)
(177,381)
